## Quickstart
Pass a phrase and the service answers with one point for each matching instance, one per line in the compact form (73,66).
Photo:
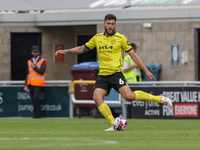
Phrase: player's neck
(107,34)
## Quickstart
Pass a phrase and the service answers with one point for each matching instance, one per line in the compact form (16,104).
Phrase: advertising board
(185,101)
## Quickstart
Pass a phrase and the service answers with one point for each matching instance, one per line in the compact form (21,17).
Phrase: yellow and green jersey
(109,50)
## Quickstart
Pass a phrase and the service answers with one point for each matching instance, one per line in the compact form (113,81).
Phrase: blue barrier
(154,69)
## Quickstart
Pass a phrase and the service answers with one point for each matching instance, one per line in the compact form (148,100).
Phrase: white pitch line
(158,138)
(91,142)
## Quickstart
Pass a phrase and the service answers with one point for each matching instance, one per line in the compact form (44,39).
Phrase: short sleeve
(125,44)
(91,43)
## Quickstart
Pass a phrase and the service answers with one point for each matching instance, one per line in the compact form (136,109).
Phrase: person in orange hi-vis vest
(35,78)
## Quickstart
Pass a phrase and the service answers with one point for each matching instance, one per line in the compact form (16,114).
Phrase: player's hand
(59,52)
(150,75)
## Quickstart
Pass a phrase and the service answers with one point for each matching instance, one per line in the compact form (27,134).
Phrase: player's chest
(108,44)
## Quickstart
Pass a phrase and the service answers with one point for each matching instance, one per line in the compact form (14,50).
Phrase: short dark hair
(110,17)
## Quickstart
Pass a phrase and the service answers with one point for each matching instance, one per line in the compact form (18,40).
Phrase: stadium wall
(65,35)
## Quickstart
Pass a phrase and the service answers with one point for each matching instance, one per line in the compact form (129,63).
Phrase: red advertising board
(186,110)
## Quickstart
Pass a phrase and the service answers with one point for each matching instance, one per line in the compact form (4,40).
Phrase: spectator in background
(131,70)
(35,78)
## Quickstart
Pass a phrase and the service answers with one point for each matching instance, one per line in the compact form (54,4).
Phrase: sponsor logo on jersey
(105,51)
(105,47)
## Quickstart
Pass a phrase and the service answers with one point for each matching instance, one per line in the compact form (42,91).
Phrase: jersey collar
(109,35)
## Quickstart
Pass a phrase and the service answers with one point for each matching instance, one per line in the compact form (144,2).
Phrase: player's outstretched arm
(75,50)
(140,63)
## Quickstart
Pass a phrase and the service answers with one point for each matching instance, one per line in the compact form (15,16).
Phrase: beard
(106,31)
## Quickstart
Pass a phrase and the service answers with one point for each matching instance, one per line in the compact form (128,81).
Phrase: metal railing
(47,82)
(75,101)
(160,83)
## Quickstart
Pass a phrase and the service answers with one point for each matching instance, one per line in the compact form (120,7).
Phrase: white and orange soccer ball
(120,123)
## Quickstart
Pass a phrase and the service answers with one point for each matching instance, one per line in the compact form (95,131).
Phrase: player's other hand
(150,75)
(59,52)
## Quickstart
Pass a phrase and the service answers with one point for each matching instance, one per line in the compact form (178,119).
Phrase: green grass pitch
(88,134)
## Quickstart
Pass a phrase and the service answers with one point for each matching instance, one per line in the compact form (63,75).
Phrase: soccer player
(110,45)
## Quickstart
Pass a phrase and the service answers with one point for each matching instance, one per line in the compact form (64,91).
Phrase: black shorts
(114,81)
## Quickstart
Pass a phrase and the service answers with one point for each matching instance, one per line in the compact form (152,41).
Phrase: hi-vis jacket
(130,75)
(36,75)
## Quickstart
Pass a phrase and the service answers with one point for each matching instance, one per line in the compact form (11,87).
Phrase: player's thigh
(98,96)
(102,83)
(126,92)
(120,84)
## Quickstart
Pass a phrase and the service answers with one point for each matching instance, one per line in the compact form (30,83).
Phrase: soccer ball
(120,123)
